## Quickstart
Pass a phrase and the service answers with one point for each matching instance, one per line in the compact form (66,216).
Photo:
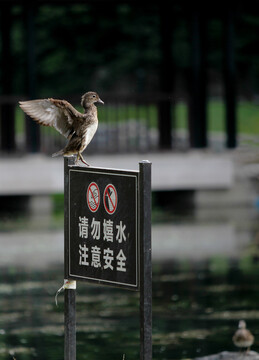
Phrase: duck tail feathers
(60,152)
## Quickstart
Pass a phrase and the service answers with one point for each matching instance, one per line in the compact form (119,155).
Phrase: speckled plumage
(243,338)
(78,128)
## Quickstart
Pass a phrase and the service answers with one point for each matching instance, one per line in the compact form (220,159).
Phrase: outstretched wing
(51,112)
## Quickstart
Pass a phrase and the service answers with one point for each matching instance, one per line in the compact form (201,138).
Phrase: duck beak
(100,101)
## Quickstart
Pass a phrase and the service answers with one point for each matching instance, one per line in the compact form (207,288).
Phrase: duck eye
(94,95)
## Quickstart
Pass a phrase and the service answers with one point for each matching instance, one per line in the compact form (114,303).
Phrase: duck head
(242,324)
(90,98)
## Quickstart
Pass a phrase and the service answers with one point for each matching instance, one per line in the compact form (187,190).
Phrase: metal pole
(69,294)
(32,129)
(165,105)
(198,89)
(145,261)
(7,118)
(230,78)
(70,324)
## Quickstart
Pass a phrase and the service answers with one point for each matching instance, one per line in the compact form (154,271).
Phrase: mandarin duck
(79,128)
(243,338)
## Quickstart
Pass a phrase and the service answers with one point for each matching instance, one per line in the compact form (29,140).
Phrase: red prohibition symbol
(110,199)
(93,197)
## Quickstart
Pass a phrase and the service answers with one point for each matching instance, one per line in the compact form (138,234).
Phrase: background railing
(126,124)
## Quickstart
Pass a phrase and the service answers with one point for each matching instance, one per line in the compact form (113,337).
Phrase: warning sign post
(108,238)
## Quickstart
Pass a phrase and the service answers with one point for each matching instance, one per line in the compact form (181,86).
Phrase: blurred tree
(115,46)
(81,48)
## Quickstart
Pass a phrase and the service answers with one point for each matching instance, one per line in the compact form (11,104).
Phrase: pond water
(197,304)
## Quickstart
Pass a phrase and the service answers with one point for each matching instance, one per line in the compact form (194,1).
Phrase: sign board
(103,236)
(107,217)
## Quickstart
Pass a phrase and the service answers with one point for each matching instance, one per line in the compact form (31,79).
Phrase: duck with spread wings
(78,128)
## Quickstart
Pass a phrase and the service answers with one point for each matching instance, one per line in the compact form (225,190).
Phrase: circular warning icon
(93,197)
(110,199)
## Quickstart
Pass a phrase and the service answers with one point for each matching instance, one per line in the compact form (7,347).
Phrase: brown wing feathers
(78,128)
(49,112)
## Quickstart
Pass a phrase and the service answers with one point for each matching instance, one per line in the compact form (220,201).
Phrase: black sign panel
(103,226)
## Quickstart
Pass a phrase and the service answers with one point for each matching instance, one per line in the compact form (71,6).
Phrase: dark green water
(196,305)
(196,308)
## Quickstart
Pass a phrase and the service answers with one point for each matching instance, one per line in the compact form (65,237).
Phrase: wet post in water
(145,261)
(70,294)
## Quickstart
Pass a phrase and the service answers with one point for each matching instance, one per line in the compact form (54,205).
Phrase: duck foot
(83,160)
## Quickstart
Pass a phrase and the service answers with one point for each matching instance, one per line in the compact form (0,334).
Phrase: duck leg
(77,159)
(82,159)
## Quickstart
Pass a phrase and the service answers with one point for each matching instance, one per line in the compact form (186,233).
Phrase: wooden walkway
(194,170)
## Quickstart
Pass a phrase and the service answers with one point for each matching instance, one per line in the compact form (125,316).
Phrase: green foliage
(58,203)
(247,113)
(247,116)
(112,46)
(82,46)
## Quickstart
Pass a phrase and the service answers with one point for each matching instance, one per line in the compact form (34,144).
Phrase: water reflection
(197,303)
(196,308)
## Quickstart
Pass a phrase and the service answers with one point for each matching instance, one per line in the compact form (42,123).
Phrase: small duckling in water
(243,338)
